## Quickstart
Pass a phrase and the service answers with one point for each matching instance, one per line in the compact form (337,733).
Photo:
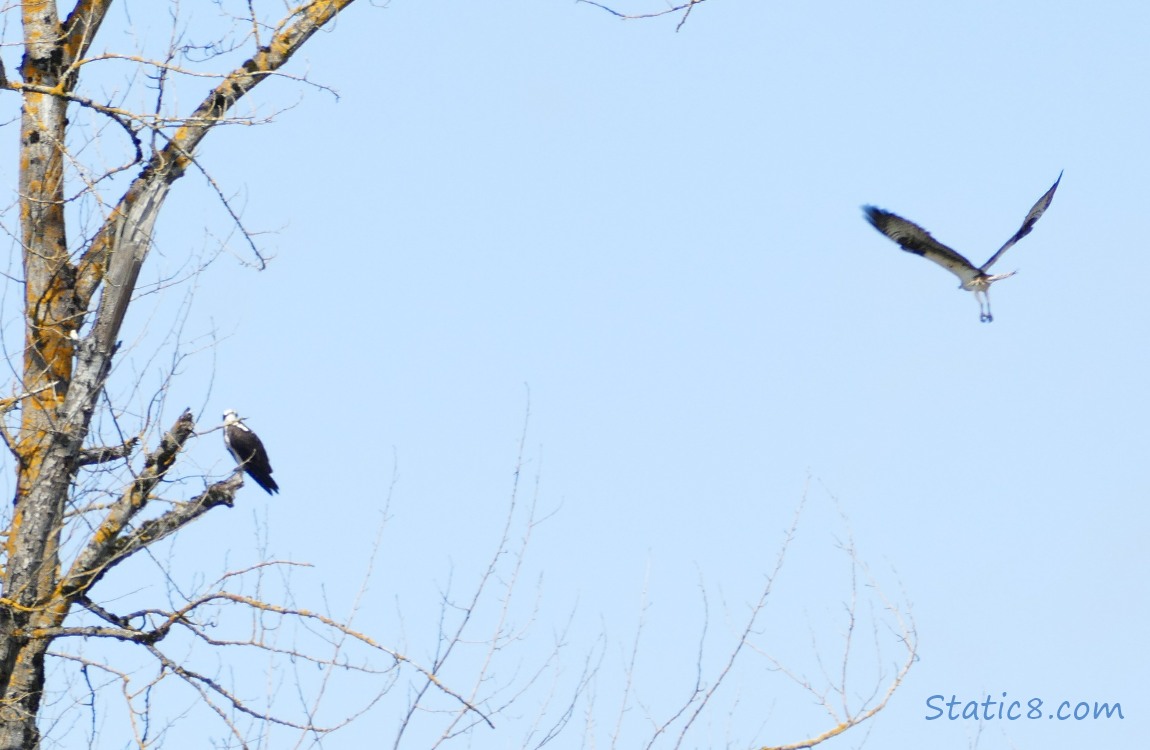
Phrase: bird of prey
(914,239)
(246,447)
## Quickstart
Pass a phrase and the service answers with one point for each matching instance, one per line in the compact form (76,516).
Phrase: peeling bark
(64,374)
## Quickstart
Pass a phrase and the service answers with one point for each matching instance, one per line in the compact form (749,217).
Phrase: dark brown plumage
(248,450)
(914,239)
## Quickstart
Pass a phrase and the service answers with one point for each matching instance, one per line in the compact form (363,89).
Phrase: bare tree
(88,502)
(78,287)
(847,692)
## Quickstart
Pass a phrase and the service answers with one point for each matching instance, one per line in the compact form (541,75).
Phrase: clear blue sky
(653,241)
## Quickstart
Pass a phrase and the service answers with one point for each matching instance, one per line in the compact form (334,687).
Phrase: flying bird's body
(914,239)
(248,450)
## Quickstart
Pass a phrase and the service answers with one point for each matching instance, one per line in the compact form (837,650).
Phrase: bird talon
(914,239)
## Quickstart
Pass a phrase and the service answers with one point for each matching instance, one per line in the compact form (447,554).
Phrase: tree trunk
(43,475)
(64,373)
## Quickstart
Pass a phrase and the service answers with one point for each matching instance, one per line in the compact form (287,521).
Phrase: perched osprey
(914,239)
(248,451)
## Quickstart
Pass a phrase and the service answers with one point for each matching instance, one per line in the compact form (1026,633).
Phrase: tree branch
(169,163)
(687,7)
(108,545)
(82,24)
(107,453)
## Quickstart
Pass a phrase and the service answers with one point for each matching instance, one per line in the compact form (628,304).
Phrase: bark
(43,445)
(64,374)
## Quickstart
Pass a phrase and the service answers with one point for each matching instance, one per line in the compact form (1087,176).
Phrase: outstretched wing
(1028,224)
(914,239)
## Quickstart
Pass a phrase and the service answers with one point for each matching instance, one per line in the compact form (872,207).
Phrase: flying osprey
(248,451)
(914,239)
